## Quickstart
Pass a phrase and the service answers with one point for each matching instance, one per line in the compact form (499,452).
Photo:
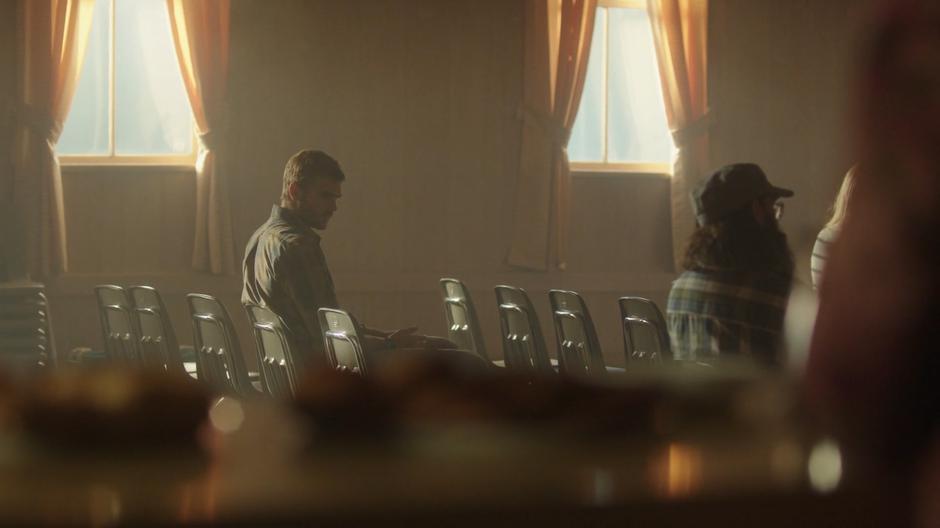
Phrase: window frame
(114,159)
(601,167)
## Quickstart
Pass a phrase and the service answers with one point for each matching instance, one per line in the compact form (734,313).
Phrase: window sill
(79,168)
(618,173)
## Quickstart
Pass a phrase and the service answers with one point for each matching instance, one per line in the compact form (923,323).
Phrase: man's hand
(404,338)
(407,338)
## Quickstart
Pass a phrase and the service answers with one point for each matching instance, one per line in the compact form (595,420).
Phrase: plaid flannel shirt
(285,270)
(727,313)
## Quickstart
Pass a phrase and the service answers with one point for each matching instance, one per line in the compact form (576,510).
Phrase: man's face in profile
(316,202)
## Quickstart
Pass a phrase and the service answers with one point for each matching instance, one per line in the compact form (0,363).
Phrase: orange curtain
(557,46)
(201,35)
(680,34)
(54,37)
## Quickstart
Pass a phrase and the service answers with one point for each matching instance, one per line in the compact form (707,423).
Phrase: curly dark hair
(738,242)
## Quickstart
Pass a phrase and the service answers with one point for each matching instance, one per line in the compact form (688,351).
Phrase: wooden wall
(417,100)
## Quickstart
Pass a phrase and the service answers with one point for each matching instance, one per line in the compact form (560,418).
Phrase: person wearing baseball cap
(730,299)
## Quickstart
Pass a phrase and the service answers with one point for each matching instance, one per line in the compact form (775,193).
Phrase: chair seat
(502,363)
(193,371)
(613,370)
(190,368)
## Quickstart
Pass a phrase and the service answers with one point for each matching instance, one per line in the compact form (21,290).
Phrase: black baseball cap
(731,188)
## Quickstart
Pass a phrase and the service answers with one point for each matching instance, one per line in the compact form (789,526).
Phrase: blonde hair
(840,207)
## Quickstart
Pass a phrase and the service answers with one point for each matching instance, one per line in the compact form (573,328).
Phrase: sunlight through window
(130,105)
(621,123)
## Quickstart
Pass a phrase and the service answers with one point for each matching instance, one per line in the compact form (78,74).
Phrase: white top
(821,250)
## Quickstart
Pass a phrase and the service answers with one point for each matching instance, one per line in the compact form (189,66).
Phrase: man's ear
(293,191)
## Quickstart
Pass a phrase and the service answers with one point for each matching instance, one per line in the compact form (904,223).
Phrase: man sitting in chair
(285,268)
(731,299)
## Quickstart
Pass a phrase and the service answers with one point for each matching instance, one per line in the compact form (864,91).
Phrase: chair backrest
(153,348)
(214,335)
(113,295)
(121,341)
(341,341)
(523,341)
(463,325)
(153,323)
(579,350)
(520,349)
(26,340)
(212,348)
(643,308)
(641,341)
(275,357)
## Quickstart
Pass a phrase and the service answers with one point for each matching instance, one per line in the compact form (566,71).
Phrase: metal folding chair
(341,341)
(579,350)
(463,325)
(524,347)
(156,331)
(641,341)
(118,323)
(643,308)
(219,357)
(275,356)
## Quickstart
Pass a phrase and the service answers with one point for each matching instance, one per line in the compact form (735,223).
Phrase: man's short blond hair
(307,166)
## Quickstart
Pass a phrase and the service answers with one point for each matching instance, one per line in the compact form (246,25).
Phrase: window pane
(587,136)
(152,112)
(86,129)
(637,129)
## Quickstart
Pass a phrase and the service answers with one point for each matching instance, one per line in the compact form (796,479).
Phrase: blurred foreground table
(259,467)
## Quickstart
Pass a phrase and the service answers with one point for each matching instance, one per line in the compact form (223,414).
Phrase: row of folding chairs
(136,330)
(578,349)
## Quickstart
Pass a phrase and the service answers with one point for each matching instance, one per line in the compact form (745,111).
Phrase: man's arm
(310,285)
(302,274)
(403,338)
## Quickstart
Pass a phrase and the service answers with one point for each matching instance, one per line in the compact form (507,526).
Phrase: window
(130,105)
(621,124)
